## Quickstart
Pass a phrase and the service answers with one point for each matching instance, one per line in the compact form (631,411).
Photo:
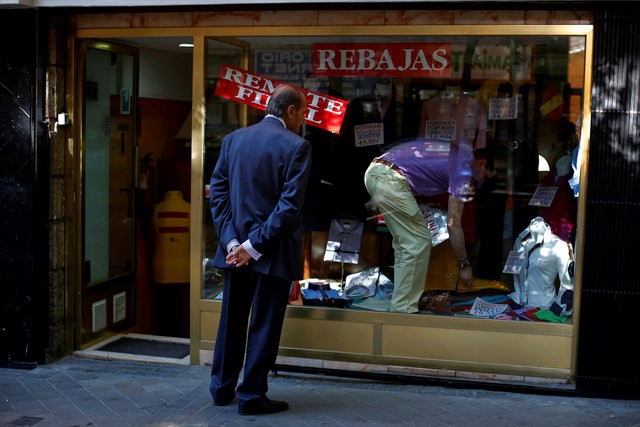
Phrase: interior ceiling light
(185,45)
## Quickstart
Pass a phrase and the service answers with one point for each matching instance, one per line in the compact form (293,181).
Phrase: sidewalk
(80,392)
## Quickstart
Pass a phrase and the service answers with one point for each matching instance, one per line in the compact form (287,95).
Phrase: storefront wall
(609,284)
(353,340)
(23,196)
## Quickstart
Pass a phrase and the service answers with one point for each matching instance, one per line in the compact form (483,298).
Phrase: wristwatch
(462,264)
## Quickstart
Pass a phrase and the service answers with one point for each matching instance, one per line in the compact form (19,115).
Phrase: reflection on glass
(222,117)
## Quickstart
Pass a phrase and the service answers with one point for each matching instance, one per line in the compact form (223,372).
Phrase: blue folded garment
(321,295)
(496,299)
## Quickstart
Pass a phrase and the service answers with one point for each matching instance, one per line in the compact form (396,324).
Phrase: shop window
(514,102)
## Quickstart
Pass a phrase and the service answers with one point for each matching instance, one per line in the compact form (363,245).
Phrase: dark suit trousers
(265,298)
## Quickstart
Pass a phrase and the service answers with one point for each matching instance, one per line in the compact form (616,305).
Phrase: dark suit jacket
(257,192)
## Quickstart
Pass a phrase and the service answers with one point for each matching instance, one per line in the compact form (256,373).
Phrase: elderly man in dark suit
(257,193)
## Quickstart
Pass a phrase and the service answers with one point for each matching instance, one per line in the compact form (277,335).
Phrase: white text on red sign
(382,59)
(239,85)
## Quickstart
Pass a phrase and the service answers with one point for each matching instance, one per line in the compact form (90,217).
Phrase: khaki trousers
(411,236)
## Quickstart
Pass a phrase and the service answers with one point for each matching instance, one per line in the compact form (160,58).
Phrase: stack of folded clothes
(322,294)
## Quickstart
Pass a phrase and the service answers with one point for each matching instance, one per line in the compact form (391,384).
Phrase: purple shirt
(434,167)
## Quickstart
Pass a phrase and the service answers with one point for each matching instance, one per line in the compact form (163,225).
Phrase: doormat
(147,347)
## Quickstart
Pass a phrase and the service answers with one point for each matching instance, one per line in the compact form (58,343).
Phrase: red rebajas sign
(382,59)
(236,84)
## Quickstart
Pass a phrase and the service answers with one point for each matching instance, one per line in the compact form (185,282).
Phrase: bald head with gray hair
(284,96)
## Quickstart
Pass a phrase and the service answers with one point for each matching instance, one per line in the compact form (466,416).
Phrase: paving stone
(101,393)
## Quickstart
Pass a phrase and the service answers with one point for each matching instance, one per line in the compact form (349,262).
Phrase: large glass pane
(222,116)
(109,156)
(515,100)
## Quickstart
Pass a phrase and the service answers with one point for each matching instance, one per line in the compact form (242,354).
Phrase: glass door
(107,152)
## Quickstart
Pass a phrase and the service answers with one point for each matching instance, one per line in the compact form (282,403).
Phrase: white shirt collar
(277,118)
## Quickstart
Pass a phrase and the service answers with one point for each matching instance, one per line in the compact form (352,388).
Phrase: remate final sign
(382,59)
(236,84)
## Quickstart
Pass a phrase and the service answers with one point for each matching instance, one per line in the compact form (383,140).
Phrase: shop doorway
(133,151)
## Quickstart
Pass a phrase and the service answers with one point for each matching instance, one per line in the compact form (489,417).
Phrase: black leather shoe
(223,401)
(264,406)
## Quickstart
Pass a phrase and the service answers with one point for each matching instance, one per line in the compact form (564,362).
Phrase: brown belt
(389,164)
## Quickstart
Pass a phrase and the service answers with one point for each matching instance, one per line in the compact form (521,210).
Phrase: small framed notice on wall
(125,101)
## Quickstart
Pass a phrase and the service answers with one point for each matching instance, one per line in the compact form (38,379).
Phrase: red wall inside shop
(160,121)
